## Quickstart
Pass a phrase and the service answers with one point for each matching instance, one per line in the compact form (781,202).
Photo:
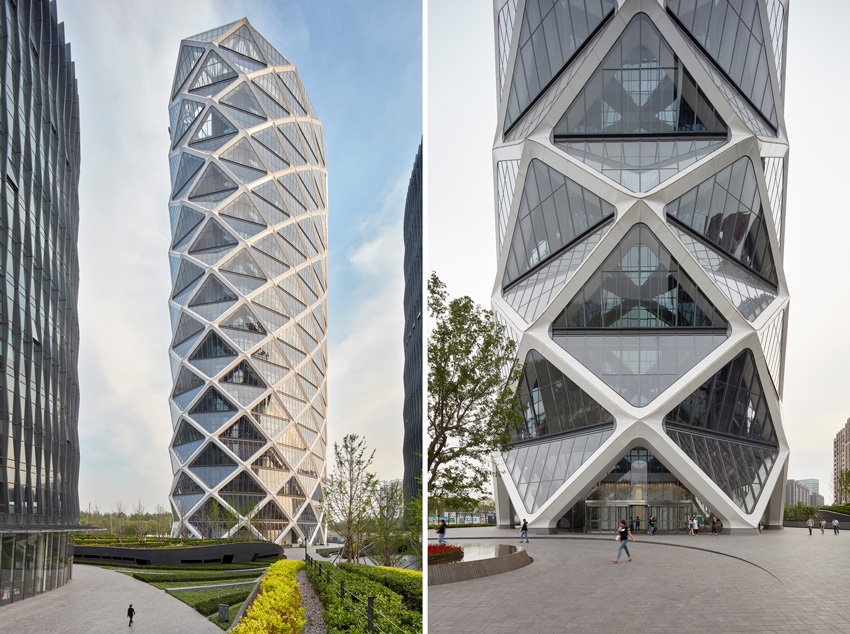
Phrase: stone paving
(779,581)
(95,602)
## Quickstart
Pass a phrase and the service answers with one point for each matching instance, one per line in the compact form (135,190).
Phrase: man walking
(835,525)
(822,525)
(131,613)
(810,523)
(523,532)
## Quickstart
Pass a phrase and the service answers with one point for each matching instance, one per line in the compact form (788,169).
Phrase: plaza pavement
(779,581)
(95,602)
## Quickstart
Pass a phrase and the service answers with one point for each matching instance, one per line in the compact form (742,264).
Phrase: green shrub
(206,601)
(416,574)
(182,567)
(342,618)
(277,609)
(194,576)
(408,587)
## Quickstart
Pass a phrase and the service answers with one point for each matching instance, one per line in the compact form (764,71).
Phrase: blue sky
(361,66)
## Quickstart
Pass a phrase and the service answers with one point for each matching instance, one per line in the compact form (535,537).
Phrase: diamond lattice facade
(249,299)
(640,165)
(39,323)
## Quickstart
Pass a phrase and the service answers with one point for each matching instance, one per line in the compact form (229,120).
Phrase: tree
(387,525)
(163,519)
(349,493)
(139,517)
(119,523)
(473,400)
(841,487)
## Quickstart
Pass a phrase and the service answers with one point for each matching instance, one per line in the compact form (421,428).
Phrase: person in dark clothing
(523,532)
(623,535)
(131,613)
(441,532)
(714,526)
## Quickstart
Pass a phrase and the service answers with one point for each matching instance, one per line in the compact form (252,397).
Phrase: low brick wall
(466,570)
(236,552)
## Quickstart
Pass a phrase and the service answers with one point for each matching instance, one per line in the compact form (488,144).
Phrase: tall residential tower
(640,162)
(249,298)
(39,325)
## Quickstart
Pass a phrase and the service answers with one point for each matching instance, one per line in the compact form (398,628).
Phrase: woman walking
(623,535)
(441,532)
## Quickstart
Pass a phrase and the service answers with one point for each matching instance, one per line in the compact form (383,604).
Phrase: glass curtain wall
(33,563)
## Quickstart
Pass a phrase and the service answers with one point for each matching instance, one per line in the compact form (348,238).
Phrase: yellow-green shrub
(416,574)
(277,610)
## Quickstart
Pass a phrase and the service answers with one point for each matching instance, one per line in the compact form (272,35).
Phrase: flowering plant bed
(442,553)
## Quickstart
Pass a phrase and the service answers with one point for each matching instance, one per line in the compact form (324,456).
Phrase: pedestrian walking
(835,526)
(623,535)
(713,526)
(653,524)
(822,525)
(441,532)
(131,613)
(523,532)
(810,523)
(637,524)
(696,526)
(691,525)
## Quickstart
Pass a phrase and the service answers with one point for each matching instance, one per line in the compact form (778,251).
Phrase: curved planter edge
(467,570)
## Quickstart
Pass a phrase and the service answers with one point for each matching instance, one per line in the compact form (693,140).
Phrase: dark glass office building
(413,333)
(39,331)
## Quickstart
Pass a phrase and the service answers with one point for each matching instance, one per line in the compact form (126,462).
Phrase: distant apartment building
(797,493)
(841,457)
(812,484)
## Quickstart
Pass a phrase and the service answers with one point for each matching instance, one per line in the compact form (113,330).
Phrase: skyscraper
(840,461)
(249,298)
(412,449)
(640,168)
(39,327)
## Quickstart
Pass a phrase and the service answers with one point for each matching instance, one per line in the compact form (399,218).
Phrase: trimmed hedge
(277,609)
(206,601)
(89,539)
(408,587)
(341,618)
(416,574)
(189,576)
(183,567)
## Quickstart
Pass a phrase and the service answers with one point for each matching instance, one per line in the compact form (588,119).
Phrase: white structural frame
(530,138)
(249,299)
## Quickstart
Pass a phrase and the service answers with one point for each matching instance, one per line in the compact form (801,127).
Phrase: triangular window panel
(726,210)
(243,374)
(213,185)
(271,354)
(243,118)
(186,486)
(242,483)
(532,294)
(307,131)
(213,132)
(272,54)
(211,347)
(189,166)
(552,403)
(538,470)
(641,114)
(242,438)
(550,37)
(187,276)
(269,468)
(774,176)
(243,319)
(640,285)
(186,382)
(743,59)
(731,402)
(740,469)
(186,327)
(212,291)
(292,245)
(747,292)
(214,76)
(771,343)
(309,187)
(243,154)
(189,56)
(640,322)
(271,149)
(293,91)
(214,237)
(212,34)
(554,213)
(270,202)
(268,84)
(189,111)
(244,64)
(240,41)
(270,299)
(242,98)
(212,401)
(186,434)
(243,264)
(244,209)
(272,107)
(292,141)
(189,219)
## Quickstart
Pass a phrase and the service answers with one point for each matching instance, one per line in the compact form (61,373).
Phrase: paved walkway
(779,581)
(95,602)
